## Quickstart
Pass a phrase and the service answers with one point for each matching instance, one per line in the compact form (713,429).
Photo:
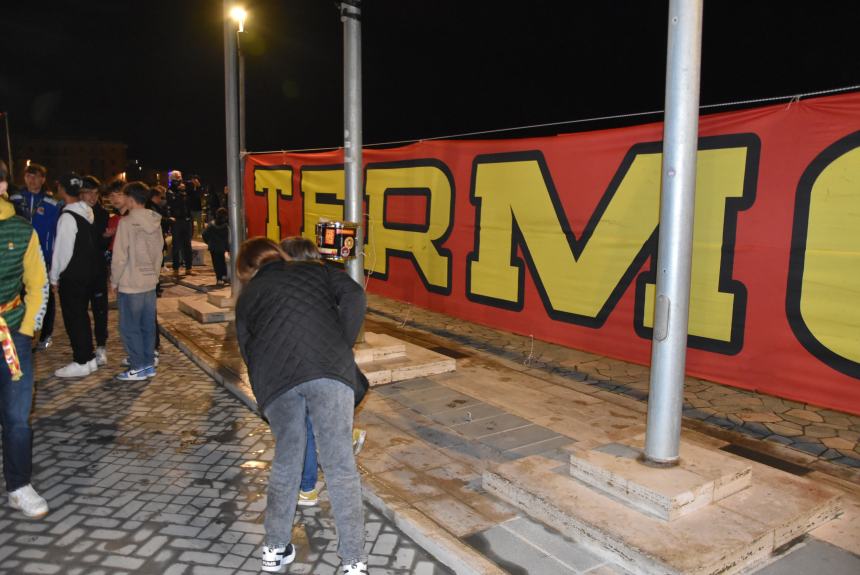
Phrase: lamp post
(8,146)
(350,15)
(675,244)
(233,16)
(239,15)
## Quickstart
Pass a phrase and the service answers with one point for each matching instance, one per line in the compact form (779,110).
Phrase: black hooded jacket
(297,321)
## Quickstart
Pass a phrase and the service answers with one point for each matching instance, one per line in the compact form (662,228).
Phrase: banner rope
(791,99)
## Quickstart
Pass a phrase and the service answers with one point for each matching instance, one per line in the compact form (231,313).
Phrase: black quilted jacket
(296,321)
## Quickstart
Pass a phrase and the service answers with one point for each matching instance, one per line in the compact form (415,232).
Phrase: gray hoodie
(136,261)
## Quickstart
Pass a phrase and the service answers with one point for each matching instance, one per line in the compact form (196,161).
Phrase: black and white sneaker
(357,568)
(277,556)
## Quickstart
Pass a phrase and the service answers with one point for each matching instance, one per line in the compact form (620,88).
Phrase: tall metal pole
(9,149)
(674,253)
(231,114)
(242,147)
(350,15)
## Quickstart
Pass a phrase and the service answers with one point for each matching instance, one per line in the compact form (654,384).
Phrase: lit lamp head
(238,14)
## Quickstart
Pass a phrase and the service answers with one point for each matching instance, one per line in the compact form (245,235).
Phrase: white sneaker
(74,370)
(28,502)
(276,557)
(101,356)
(93,365)
(134,374)
(359,568)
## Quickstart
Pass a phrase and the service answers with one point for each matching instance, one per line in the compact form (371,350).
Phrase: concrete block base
(701,477)
(221,298)
(378,347)
(727,537)
(385,359)
(203,311)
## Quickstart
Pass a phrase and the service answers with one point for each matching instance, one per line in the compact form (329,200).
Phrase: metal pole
(674,254)
(242,147)
(9,149)
(350,15)
(231,114)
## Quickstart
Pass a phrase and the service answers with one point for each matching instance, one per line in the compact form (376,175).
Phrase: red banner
(556,237)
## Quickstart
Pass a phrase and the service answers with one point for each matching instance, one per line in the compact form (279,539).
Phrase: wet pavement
(163,477)
(432,438)
(806,434)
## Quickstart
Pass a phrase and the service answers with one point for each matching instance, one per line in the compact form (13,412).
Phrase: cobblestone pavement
(823,434)
(162,477)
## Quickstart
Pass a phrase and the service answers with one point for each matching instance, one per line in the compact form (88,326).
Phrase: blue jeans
(16,400)
(329,405)
(137,327)
(309,471)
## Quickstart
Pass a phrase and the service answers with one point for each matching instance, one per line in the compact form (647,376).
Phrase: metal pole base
(648,462)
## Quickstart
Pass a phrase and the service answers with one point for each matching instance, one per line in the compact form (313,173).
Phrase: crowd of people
(296,322)
(63,244)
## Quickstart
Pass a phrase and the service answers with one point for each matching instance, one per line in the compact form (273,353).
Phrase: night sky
(150,73)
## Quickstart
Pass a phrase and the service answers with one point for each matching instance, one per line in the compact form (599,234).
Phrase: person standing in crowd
(22,269)
(35,205)
(135,267)
(217,238)
(295,324)
(298,248)
(73,272)
(117,202)
(195,203)
(215,200)
(90,193)
(179,213)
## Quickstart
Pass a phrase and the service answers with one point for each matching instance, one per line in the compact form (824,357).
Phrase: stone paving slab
(827,436)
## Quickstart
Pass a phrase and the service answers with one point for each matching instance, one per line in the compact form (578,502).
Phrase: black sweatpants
(75,299)
(48,320)
(182,242)
(219,262)
(99,304)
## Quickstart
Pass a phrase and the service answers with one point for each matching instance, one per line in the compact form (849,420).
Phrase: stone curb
(434,539)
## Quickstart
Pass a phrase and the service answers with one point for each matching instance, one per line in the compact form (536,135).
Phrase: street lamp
(233,16)
(9,146)
(239,14)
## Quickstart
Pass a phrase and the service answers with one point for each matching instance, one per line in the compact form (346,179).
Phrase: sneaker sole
(308,502)
(28,515)
(359,445)
(286,560)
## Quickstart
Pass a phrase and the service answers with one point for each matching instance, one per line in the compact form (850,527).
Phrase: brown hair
(300,249)
(254,254)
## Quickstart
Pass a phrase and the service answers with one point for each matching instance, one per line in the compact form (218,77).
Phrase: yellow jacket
(34,278)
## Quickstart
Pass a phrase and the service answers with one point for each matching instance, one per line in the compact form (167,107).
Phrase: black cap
(34,168)
(90,183)
(72,183)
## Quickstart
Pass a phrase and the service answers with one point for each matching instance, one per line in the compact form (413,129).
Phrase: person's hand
(112,290)
(109,233)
